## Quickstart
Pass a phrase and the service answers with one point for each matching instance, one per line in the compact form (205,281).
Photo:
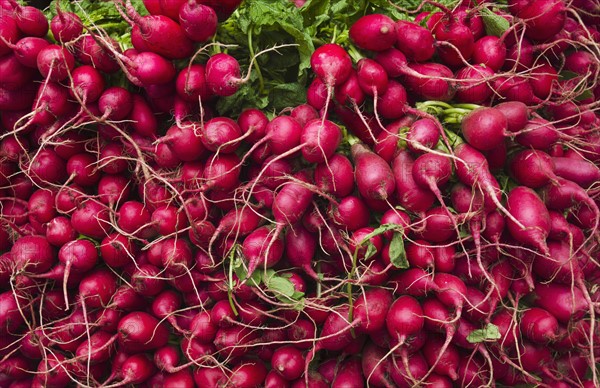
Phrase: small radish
(373,32)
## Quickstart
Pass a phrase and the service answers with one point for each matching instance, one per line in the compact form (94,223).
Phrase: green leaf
(489,332)
(566,75)
(287,95)
(281,285)
(584,95)
(397,252)
(494,24)
(371,250)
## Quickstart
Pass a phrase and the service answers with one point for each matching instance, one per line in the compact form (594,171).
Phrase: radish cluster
(429,216)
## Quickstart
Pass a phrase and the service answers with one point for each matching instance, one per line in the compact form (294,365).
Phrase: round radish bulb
(484,128)
(331,63)
(373,32)
(414,41)
(199,22)
(55,62)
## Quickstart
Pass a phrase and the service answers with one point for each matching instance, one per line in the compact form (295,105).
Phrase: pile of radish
(429,217)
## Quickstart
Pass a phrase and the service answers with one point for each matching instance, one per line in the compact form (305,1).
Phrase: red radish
(55,62)
(484,128)
(191,83)
(160,34)
(430,81)
(410,195)
(538,325)
(9,31)
(453,31)
(539,134)
(223,74)
(349,373)
(81,255)
(404,318)
(97,287)
(351,213)
(489,51)
(445,363)
(288,361)
(320,139)
(221,172)
(33,254)
(473,84)
(220,134)
(300,248)
(391,104)
(414,41)
(374,32)
(532,168)
(31,21)
(247,374)
(527,207)
(100,54)
(139,331)
(332,64)
(65,26)
(580,171)
(137,369)
(262,248)
(335,176)
(374,177)
(198,21)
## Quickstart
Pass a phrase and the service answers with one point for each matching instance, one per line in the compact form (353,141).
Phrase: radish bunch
(429,216)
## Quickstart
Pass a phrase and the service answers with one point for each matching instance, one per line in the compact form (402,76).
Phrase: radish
(374,177)
(532,168)
(414,41)
(31,21)
(198,21)
(223,74)
(484,128)
(404,318)
(452,31)
(529,210)
(65,26)
(288,361)
(262,247)
(159,34)
(489,51)
(374,32)
(9,31)
(55,62)
(410,195)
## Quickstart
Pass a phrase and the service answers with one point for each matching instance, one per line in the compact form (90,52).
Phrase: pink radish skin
(141,331)
(423,133)
(484,128)
(319,140)
(335,176)
(66,26)
(160,34)
(538,325)
(223,74)
(410,195)
(580,171)
(374,177)
(300,248)
(198,21)
(527,207)
(332,64)
(386,144)
(255,247)
(414,41)
(288,361)
(404,318)
(532,168)
(489,51)
(349,373)
(351,213)
(374,32)
(391,104)
(447,362)
(55,62)
(31,21)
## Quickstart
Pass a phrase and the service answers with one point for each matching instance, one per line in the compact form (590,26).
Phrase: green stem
(256,66)
(354,54)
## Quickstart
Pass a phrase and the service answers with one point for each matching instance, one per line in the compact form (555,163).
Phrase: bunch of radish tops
(427,215)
